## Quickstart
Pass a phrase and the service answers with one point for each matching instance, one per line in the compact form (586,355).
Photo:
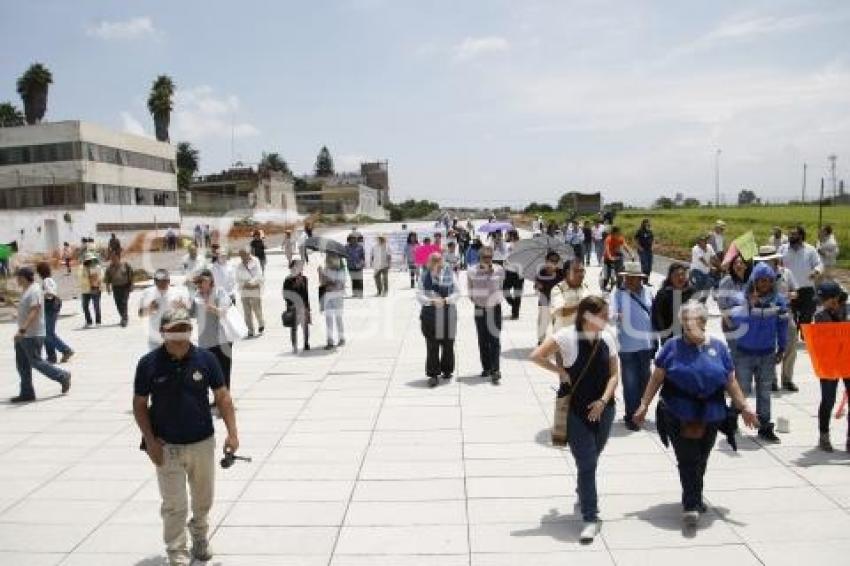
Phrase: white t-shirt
(567,340)
(697,254)
(165,300)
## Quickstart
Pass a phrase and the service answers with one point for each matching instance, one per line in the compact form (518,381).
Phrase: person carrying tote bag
(589,352)
(563,402)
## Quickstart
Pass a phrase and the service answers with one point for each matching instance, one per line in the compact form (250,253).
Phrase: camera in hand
(230,459)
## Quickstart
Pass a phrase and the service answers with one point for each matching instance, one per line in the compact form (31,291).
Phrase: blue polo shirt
(180,410)
(696,378)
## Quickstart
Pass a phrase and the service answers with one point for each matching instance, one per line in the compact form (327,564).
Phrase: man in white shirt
(484,283)
(249,278)
(158,299)
(803,261)
(192,265)
(703,258)
(224,276)
(717,239)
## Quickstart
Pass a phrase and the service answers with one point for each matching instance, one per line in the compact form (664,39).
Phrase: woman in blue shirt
(695,371)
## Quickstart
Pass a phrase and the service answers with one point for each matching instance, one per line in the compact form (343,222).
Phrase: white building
(62,181)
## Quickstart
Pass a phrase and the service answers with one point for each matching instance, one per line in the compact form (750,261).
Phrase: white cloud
(134,28)
(200,113)
(475,47)
(131,125)
(743,27)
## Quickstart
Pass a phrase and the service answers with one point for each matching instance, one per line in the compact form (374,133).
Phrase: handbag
(233,326)
(288,317)
(562,403)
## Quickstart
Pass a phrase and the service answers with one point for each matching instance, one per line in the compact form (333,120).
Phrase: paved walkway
(357,463)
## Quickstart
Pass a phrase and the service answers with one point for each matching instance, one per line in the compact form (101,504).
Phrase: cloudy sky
(471,101)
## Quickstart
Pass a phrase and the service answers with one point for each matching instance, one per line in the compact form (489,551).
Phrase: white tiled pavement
(357,463)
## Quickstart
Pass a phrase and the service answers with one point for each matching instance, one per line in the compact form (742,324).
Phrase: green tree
(160,105)
(691,203)
(274,162)
(663,202)
(188,161)
(747,197)
(10,116)
(32,86)
(324,163)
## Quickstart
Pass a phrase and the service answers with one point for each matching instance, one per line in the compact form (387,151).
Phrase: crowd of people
(650,341)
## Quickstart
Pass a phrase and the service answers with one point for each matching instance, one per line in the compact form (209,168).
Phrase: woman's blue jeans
(52,342)
(586,442)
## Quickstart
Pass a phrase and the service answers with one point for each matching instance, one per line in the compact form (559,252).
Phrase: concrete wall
(34,228)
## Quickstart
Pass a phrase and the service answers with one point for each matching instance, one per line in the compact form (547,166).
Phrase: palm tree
(160,105)
(274,162)
(324,163)
(188,161)
(32,86)
(10,116)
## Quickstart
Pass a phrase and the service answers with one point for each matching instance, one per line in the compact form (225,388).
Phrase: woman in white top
(331,294)
(52,305)
(589,373)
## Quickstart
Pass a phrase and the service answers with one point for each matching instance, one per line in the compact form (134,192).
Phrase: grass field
(676,229)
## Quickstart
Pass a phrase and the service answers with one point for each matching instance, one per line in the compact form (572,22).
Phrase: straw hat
(632,269)
(767,253)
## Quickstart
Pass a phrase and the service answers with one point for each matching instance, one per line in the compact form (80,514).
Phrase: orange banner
(829,348)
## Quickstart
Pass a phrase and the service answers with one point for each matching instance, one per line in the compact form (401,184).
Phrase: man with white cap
(170,405)
(630,312)
(157,300)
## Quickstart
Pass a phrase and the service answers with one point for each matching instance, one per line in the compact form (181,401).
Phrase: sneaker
(306,347)
(690,519)
(446,376)
(485,373)
(201,551)
(768,435)
(67,356)
(341,342)
(22,399)
(433,381)
(66,384)
(495,377)
(329,346)
(124,323)
(790,386)
(702,509)
(630,425)
(589,532)
(825,444)
(261,329)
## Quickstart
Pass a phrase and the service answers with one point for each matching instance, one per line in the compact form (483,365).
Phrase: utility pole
(717,178)
(820,206)
(805,166)
(832,159)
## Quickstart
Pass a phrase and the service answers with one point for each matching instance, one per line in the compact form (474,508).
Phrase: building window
(67,151)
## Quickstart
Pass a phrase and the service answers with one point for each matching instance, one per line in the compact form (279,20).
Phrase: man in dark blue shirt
(177,431)
(644,238)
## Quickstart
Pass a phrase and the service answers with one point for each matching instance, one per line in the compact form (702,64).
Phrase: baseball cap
(829,290)
(161,275)
(175,317)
